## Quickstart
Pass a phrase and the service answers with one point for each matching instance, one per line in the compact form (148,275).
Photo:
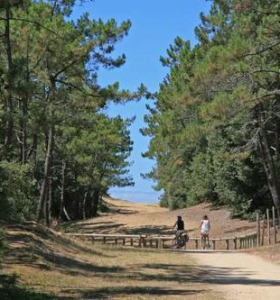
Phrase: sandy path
(239,275)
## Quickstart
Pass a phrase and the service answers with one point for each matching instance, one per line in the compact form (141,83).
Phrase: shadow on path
(108,293)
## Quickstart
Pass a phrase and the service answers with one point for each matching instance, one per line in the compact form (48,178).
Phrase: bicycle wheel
(204,242)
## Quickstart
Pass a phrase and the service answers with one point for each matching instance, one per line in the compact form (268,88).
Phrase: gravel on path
(239,276)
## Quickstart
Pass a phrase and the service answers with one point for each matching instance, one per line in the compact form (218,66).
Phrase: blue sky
(155,24)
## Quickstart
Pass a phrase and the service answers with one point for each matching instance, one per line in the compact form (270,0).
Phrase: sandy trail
(240,276)
(237,275)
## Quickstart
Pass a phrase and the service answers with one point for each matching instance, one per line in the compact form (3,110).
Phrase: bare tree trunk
(62,200)
(84,205)
(23,145)
(47,170)
(47,207)
(49,201)
(9,101)
(24,111)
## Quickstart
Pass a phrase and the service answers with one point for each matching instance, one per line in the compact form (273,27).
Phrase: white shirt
(205,226)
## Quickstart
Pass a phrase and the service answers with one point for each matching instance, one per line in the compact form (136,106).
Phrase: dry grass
(271,253)
(126,217)
(49,266)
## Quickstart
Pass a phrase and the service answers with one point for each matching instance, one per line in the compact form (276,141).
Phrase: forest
(214,125)
(59,150)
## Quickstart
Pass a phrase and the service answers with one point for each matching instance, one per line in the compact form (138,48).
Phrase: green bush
(16,192)
(3,244)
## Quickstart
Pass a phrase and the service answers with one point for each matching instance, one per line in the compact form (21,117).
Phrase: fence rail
(161,242)
(267,232)
(268,227)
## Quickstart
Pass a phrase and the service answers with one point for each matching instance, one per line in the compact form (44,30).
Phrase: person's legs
(203,241)
(201,238)
(179,238)
(207,240)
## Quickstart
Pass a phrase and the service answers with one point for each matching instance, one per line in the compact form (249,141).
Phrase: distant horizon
(134,196)
(155,25)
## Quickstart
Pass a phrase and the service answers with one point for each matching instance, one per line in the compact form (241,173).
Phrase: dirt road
(236,275)
(240,276)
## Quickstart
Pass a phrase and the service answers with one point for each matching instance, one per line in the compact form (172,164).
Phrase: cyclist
(180,229)
(204,230)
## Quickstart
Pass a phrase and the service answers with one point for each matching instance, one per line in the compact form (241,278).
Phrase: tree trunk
(23,146)
(8,85)
(49,201)
(84,205)
(24,111)
(95,201)
(270,169)
(62,200)
(33,149)
(47,170)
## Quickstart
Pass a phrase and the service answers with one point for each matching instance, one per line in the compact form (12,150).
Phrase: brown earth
(44,265)
(133,218)
(247,274)
(49,264)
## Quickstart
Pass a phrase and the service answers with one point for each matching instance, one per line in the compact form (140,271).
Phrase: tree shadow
(96,227)
(38,253)
(148,230)
(117,291)
(119,209)
(154,230)
(10,290)
(67,265)
(31,244)
(201,274)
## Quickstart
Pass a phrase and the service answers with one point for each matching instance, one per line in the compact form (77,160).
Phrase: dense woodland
(215,126)
(59,150)
(214,123)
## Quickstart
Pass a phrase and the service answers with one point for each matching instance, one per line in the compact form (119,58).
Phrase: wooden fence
(124,239)
(168,241)
(267,232)
(268,227)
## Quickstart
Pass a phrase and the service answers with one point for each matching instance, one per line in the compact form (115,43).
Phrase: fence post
(258,230)
(227,244)
(268,226)
(140,242)
(235,243)
(274,225)
(263,228)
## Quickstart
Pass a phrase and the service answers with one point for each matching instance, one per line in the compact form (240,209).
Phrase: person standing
(204,230)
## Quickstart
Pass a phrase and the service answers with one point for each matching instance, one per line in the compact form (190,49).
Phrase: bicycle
(181,239)
(205,241)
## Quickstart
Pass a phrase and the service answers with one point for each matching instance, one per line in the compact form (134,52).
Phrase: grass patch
(53,267)
(11,290)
